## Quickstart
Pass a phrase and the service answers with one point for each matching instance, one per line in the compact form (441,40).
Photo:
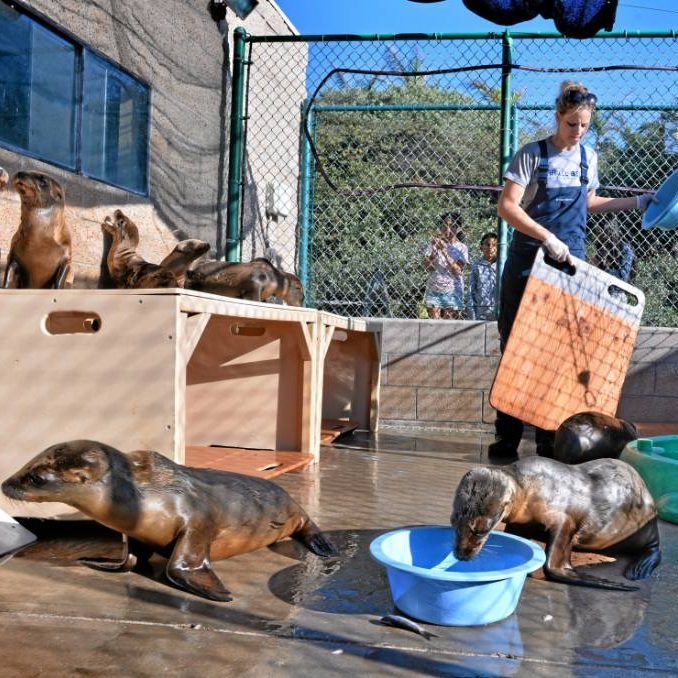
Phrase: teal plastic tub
(428,583)
(663,213)
(656,459)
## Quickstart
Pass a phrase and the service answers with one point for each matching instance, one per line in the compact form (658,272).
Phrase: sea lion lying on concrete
(256,280)
(128,269)
(591,435)
(185,252)
(190,515)
(601,505)
(40,251)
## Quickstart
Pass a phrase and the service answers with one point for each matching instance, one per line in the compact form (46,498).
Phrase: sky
(312,17)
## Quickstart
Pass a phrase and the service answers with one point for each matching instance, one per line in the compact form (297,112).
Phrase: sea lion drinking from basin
(40,251)
(190,515)
(601,505)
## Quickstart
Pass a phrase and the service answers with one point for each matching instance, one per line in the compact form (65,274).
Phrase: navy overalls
(563,212)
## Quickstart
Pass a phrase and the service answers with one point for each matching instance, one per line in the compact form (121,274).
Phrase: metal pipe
(236,148)
(306,171)
(506,145)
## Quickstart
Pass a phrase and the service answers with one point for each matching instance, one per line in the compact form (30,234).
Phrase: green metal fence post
(306,171)
(505,150)
(235,149)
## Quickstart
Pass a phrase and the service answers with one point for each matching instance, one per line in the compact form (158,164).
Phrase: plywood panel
(570,345)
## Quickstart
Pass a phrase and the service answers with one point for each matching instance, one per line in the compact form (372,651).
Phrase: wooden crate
(202,379)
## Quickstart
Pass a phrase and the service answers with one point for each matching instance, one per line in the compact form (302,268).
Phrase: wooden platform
(647,429)
(260,463)
(331,429)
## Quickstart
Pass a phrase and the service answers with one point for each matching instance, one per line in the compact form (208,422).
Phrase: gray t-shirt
(564,168)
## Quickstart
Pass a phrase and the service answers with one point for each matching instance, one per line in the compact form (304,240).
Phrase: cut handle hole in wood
(247,330)
(72,322)
(622,295)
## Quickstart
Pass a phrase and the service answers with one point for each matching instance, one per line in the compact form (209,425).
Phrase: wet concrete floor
(295,614)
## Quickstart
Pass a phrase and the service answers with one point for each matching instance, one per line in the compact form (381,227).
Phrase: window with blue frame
(62,103)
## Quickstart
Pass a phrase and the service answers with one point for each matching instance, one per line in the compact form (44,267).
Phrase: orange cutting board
(570,345)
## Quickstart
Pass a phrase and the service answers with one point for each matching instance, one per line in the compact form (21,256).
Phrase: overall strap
(584,166)
(543,171)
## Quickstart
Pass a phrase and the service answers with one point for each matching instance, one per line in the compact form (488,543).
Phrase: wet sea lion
(40,251)
(256,280)
(185,252)
(591,435)
(190,515)
(128,269)
(601,505)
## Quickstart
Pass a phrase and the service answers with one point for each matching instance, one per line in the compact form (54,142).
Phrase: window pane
(37,89)
(114,125)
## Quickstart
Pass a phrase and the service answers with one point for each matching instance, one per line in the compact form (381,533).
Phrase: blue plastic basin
(664,212)
(428,583)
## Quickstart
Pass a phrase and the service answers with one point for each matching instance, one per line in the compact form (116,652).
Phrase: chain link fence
(367,141)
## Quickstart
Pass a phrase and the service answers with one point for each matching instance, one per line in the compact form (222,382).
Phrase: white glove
(643,200)
(557,249)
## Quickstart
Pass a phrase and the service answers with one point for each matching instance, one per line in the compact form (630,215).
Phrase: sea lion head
(482,499)
(293,292)
(64,472)
(38,190)
(192,248)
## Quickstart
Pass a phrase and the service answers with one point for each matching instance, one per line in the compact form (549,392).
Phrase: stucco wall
(438,374)
(185,57)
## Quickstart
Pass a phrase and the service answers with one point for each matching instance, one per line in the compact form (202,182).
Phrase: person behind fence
(482,282)
(613,253)
(445,258)
(550,186)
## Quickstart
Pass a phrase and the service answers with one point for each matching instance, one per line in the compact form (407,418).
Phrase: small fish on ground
(400,622)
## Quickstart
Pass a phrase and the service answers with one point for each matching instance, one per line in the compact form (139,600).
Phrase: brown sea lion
(190,515)
(601,505)
(40,251)
(256,280)
(128,269)
(591,435)
(185,252)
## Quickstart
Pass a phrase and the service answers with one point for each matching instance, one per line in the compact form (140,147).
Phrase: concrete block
(452,337)
(655,344)
(474,371)
(400,336)
(640,379)
(435,404)
(489,413)
(666,380)
(648,408)
(419,370)
(397,402)
(491,339)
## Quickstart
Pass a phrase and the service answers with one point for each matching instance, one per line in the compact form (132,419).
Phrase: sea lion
(601,505)
(185,252)
(40,251)
(591,435)
(190,515)
(128,269)
(256,280)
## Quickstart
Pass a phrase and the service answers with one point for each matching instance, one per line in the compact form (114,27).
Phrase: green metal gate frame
(237,137)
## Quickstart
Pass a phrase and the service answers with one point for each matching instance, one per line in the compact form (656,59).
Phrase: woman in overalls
(550,186)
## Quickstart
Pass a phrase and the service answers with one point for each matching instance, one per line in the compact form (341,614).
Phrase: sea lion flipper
(189,567)
(580,579)
(315,541)
(126,563)
(642,567)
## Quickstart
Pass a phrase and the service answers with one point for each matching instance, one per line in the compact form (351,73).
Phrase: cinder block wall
(438,374)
